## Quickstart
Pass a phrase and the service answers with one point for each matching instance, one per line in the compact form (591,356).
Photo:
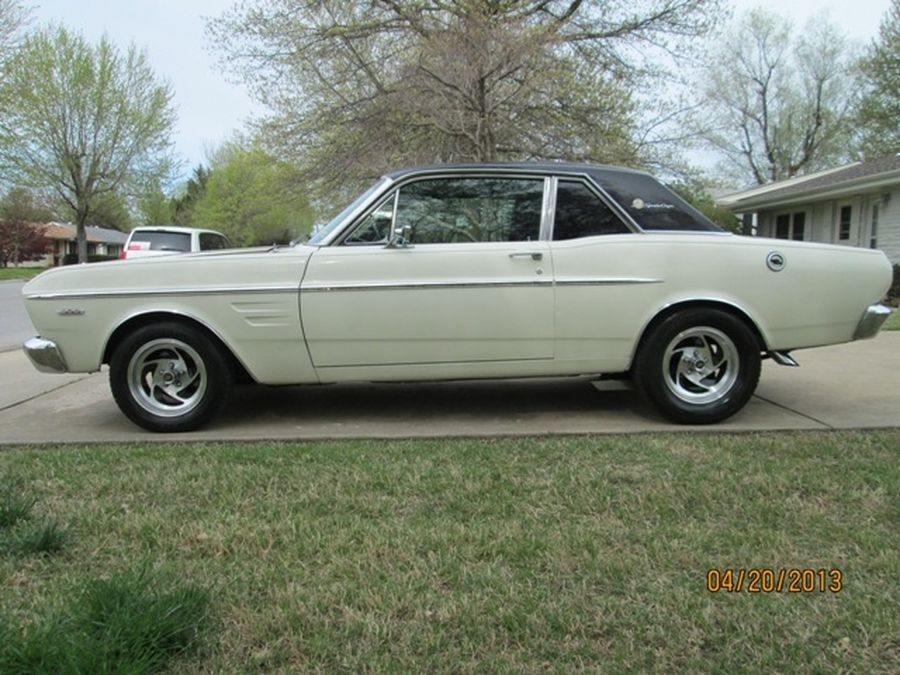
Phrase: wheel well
(699,304)
(132,324)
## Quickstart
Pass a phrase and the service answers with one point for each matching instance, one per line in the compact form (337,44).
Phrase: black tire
(699,366)
(170,377)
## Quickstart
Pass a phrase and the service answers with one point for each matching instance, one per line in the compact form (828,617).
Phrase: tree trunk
(81,239)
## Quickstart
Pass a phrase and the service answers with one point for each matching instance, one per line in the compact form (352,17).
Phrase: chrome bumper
(45,355)
(871,321)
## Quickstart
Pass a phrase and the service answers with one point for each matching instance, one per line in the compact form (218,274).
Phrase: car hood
(223,269)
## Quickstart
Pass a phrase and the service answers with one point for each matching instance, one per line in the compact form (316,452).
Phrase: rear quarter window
(652,205)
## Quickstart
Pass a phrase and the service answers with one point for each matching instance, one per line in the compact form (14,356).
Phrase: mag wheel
(169,377)
(699,366)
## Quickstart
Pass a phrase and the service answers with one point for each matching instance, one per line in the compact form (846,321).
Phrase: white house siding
(822,221)
(889,226)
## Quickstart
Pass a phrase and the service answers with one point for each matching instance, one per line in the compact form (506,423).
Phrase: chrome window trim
(364,209)
(548,216)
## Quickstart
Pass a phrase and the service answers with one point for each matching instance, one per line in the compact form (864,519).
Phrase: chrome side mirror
(400,238)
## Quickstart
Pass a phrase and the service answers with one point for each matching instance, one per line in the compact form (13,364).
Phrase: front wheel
(699,366)
(169,377)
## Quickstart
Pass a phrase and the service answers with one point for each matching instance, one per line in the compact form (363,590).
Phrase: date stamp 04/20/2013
(770,580)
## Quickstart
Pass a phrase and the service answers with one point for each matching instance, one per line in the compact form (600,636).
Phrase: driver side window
(471,210)
(456,211)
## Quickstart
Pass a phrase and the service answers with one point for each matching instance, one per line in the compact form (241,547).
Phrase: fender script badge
(71,311)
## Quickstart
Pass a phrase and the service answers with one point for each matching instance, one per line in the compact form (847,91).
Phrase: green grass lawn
(23,273)
(893,321)
(563,554)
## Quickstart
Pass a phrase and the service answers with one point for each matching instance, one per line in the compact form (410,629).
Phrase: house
(100,241)
(854,205)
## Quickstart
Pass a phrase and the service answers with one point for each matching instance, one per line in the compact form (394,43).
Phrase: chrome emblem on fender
(775,261)
(71,311)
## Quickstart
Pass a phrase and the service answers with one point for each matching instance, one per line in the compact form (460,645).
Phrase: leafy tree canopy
(879,110)
(779,105)
(359,87)
(20,240)
(83,120)
(253,198)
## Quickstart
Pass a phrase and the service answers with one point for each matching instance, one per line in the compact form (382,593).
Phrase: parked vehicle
(156,240)
(465,271)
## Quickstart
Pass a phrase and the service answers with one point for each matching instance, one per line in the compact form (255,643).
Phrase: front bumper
(871,321)
(45,355)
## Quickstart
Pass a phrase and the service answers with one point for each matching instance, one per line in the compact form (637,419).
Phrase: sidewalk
(849,386)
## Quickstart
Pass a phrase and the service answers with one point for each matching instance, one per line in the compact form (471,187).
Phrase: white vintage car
(466,271)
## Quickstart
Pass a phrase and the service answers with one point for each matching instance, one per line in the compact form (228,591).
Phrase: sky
(210,108)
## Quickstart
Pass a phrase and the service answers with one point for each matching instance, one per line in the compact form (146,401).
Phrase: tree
(778,105)
(358,87)
(21,237)
(155,207)
(13,16)
(85,121)
(696,195)
(254,199)
(879,110)
(112,211)
(195,187)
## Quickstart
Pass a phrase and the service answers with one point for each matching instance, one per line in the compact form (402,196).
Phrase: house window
(790,225)
(873,231)
(783,226)
(844,223)
(799,226)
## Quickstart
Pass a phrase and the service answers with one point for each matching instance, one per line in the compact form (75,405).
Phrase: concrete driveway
(849,386)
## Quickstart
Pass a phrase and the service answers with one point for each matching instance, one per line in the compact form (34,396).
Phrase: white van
(166,240)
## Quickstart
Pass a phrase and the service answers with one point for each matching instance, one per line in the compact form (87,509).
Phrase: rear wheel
(699,366)
(170,377)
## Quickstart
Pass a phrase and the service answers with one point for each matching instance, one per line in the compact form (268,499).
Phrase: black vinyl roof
(641,196)
(538,167)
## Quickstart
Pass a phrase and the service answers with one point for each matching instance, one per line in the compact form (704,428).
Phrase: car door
(607,277)
(469,280)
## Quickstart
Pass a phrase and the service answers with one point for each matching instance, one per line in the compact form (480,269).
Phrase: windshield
(322,233)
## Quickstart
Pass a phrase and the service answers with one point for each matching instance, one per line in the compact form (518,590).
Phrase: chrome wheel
(701,365)
(167,377)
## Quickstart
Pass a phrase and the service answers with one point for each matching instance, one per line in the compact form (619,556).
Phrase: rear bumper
(45,355)
(871,321)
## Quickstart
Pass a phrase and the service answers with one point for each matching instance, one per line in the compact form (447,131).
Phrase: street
(15,326)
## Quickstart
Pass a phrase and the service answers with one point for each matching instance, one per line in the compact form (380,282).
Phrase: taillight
(122,254)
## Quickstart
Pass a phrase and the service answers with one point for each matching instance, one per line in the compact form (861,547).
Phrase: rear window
(652,205)
(160,241)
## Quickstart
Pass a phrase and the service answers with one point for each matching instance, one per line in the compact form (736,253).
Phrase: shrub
(72,258)
(894,291)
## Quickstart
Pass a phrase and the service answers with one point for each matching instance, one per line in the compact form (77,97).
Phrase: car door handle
(534,255)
